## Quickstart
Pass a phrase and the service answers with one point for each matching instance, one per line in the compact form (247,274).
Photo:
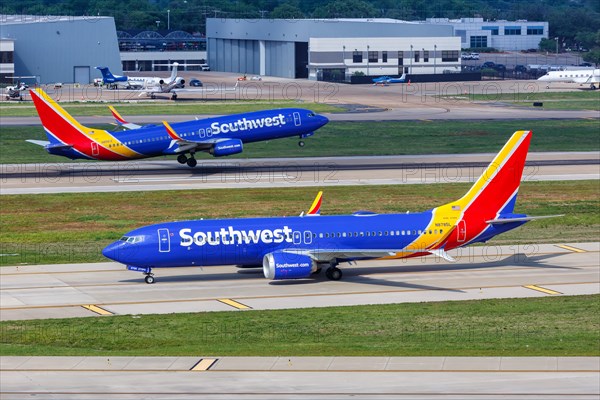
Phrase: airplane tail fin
(60,126)
(106,74)
(174,72)
(492,196)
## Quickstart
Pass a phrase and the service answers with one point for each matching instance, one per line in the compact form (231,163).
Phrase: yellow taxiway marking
(541,289)
(571,248)
(235,304)
(96,309)
(204,364)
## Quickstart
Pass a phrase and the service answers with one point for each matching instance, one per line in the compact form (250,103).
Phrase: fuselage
(154,140)
(246,241)
(577,76)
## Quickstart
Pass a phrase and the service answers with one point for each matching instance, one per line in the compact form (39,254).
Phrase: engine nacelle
(161,82)
(280,265)
(227,147)
(180,82)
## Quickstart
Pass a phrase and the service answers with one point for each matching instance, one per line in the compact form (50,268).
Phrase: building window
(512,30)
(357,57)
(425,56)
(373,56)
(416,54)
(478,41)
(400,58)
(384,56)
(449,55)
(494,30)
(535,30)
(6,57)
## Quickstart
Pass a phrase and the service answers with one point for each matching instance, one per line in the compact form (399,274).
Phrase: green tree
(346,9)
(593,56)
(548,45)
(286,11)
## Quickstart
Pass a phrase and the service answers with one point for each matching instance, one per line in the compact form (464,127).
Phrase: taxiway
(482,272)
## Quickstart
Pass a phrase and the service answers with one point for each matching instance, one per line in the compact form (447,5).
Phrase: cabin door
(164,241)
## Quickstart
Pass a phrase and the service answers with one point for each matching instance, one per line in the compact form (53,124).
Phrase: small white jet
(581,76)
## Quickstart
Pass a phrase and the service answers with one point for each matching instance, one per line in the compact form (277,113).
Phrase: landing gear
(152,96)
(174,96)
(191,162)
(149,278)
(301,143)
(593,87)
(182,159)
(333,273)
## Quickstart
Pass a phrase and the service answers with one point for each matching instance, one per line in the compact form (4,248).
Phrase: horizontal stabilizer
(442,254)
(42,143)
(521,219)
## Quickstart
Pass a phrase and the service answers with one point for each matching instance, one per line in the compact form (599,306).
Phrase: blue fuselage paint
(247,241)
(153,140)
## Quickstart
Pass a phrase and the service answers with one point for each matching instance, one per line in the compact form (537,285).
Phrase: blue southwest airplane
(296,247)
(219,136)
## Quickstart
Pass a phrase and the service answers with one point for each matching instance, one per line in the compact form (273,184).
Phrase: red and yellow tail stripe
(315,208)
(171,132)
(94,143)
(116,115)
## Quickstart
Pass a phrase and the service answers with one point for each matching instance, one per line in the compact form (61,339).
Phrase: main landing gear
(301,143)
(191,162)
(333,272)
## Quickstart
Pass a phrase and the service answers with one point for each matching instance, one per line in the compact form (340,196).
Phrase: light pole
(168,20)
(434,57)
(556,39)
(412,56)
(368,60)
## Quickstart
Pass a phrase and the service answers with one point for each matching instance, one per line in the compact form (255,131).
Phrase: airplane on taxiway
(581,76)
(116,81)
(384,80)
(297,247)
(219,136)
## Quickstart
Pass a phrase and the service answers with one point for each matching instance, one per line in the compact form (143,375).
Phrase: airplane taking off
(581,76)
(385,80)
(219,136)
(296,247)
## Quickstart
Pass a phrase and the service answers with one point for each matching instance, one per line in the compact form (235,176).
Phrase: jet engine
(227,147)
(280,265)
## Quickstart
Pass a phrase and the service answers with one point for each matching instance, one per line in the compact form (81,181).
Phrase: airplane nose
(324,120)
(111,251)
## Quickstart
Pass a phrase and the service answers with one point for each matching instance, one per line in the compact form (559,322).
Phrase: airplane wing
(121,121)
(47,144)
(184,145)
(327,255)
(207,89)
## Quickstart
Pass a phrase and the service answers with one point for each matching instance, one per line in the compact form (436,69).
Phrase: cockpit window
(311,114)
(132,239)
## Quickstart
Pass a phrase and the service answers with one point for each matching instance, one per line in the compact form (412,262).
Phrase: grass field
(550,326)
(580,100)
(9,109)
(64,228)
(368,138)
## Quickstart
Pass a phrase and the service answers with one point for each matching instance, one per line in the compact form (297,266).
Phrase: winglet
(315,208)
(118,117)
(171,131)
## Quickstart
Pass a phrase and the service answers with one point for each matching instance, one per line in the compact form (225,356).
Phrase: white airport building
(501,34)
(330,49)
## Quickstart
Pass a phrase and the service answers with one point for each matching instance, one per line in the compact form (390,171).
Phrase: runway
(282,172)
(292,378)
(482,272)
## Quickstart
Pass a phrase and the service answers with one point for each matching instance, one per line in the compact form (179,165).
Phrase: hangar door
(81,75)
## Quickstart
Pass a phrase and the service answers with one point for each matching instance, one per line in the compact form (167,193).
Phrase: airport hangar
(60,48)
(319,48)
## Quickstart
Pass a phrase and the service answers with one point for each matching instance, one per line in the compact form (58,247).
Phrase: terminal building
(501,34)
(330,49)
(58,48)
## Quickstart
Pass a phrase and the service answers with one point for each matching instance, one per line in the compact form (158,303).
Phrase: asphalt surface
(77,290)
(281,172)
(329,378)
